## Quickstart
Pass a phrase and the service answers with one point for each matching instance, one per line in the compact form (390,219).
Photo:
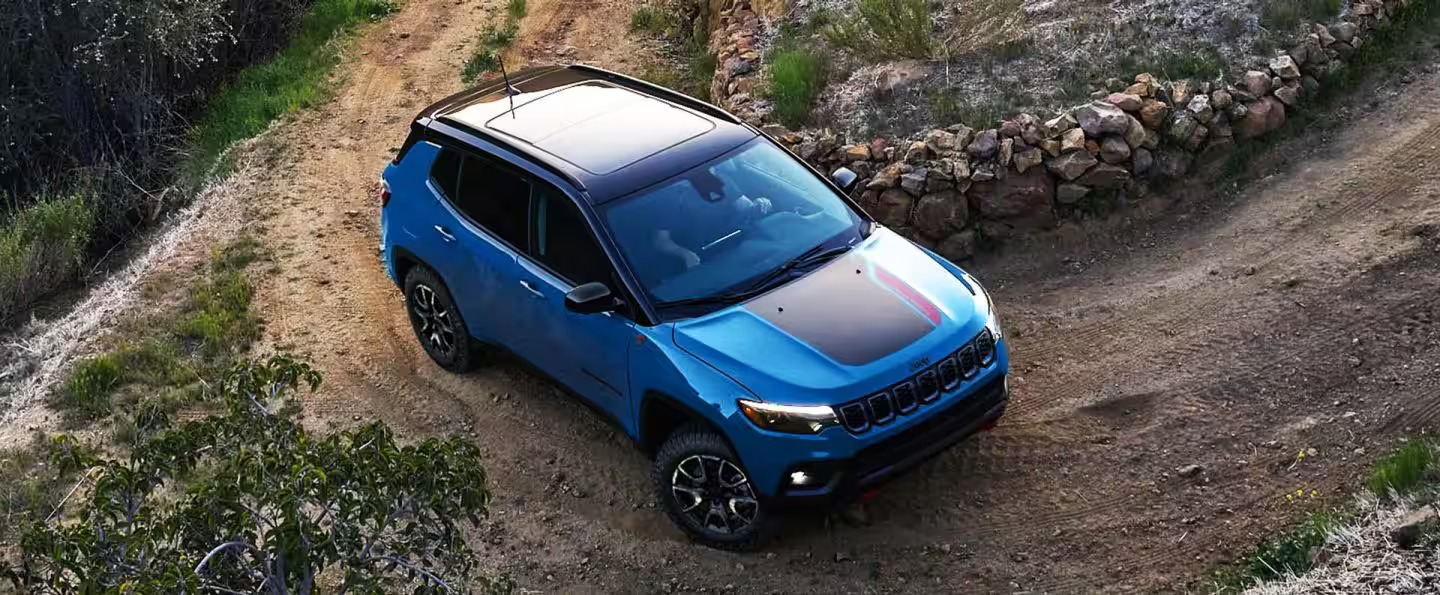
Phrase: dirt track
(1231,332)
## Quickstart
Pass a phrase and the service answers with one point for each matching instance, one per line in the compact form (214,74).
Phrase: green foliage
(1288,14)
(516,9)
(248,500)
(295,79)
(42,248)
(887,27)
(33,480)
(494,40)
(688,66)
(1202,62)
(797,76)
(1403,470)
(180,352)
(1292,553)
(649,19)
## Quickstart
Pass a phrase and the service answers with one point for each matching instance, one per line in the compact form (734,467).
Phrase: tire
(729,517)
(437,322)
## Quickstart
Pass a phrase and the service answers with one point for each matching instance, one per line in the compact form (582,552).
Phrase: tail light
(384,194)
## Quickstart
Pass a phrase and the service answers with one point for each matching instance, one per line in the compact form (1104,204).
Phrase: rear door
(489,208)
(587,352)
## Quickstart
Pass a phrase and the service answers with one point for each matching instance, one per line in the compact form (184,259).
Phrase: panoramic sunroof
(600,128)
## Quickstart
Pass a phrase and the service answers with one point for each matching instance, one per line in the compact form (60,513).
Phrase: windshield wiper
(812,256)
(761,285)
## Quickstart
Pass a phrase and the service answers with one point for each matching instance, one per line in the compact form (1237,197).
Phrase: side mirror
(591,298)
(845,179)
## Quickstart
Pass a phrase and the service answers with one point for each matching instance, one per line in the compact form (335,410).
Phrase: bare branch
(402,562)
(220,548)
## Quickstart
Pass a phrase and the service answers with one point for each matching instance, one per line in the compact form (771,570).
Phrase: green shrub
(516,9)
(248,501)
(295,79)
(33,480)
(87,391)
(887,27)
(1404,469)
(1292,553)
(494,40)
(1288,14)
(41,249)
(648,19)
(796,78)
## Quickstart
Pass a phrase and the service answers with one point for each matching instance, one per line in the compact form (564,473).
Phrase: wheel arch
(661,414)
(403,261)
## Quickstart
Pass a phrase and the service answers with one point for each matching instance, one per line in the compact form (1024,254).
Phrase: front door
(587,352)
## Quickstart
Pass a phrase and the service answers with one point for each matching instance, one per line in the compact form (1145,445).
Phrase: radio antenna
(510,91)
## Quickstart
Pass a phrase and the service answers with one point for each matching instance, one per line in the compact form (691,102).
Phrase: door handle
(530,287)
(445,233)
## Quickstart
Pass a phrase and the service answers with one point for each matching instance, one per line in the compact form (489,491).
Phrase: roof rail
(515,148)
(656,90)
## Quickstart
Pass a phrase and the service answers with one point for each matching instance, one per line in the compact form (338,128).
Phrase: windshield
(718,226)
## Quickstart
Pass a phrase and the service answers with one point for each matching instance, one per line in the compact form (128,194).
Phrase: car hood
(859,323)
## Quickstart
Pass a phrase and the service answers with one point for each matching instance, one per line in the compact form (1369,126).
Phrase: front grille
(906,397)
(892,454)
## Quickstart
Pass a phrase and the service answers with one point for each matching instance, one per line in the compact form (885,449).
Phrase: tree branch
(402,562)
(220,548)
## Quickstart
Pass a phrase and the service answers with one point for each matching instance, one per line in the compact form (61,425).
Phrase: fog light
(801,478)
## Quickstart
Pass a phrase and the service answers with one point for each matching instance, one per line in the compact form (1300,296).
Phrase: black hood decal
(851,310)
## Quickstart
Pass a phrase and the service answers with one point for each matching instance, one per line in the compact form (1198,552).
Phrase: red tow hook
(868,495)
(989,425)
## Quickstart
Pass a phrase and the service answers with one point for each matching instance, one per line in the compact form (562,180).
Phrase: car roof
(606,133)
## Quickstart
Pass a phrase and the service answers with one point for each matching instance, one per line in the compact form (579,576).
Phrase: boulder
(1100,118)
(1142,160)
(984,172)
(1105,175)
(1135,134)
(1288,94)
(1114,150)
(939,178)
(1052,147)
(1181,127)
(1069,194)
(1020,197)
(1323,35)
(1010,129)
(958,246)
(889,176)
(915,181)
(1284,66)
(1126,101)
(1308,85)
(917,153)
(1072,140)
(1344,31)
(985,145)
(1256,83)
(855,153)
(1200,106)
(963,135)
(941,214)
(1153,113)
(1071,166)
(1024,160)
(1415,525)
(1180,92)
(1061,123)
(1220,99)
(893,207)
(940,141)
(1262,117)
(960,168)
(1007,150)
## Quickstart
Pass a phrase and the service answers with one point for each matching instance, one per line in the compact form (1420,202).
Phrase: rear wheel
(707,493)
(437,322)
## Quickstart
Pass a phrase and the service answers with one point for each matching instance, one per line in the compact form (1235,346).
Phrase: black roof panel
(609,133)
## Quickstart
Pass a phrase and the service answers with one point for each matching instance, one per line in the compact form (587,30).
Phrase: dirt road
(1230,331)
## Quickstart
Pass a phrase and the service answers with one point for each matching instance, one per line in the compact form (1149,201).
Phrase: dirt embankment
(1232,332)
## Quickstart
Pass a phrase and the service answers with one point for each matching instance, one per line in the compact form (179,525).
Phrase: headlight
(791,419)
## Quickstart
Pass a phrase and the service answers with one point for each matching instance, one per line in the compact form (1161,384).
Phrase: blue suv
(728,307)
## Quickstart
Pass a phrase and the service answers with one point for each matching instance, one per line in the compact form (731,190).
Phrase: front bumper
(884,460)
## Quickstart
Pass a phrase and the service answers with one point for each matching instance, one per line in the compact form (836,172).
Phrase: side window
(445,172)
(564,241)
(495,198)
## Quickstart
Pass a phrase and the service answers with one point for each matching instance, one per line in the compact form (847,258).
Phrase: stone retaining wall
(958,184)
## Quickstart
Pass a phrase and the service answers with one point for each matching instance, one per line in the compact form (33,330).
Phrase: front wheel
(706,492)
